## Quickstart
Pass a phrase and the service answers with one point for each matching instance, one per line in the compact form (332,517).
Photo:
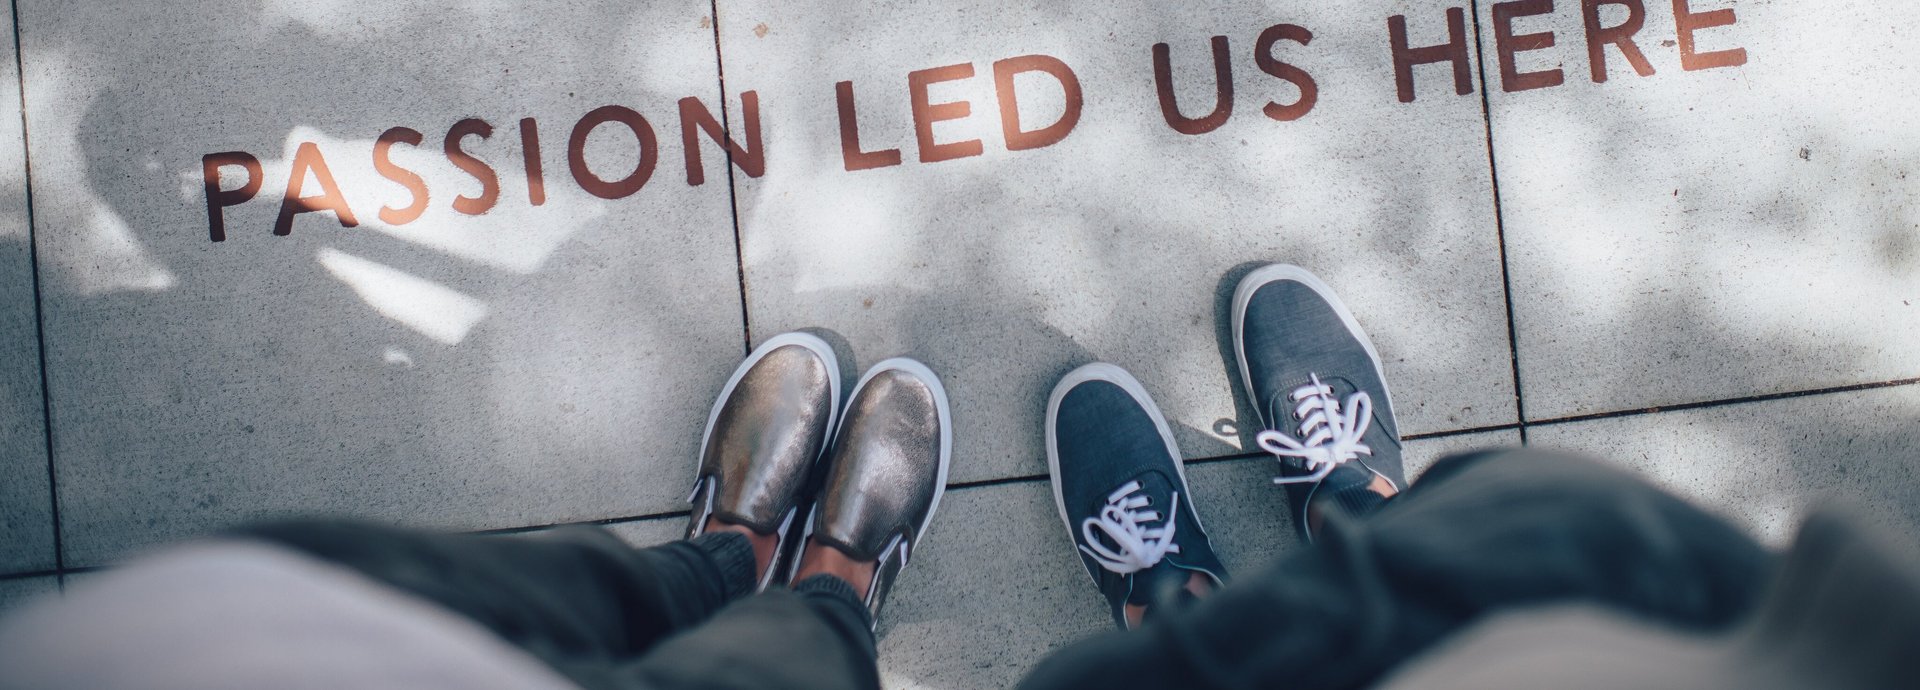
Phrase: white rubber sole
(1243,294)
(1102,371)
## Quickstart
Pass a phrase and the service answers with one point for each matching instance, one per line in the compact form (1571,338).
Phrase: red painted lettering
(383,163)
(577,152)
(1263,56)
(1454,51)
(1003,73)
(308,159)
(1510,44)
(219,199)
(489,182)
(1222,83)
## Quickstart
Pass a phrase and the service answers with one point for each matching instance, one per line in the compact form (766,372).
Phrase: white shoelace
(1327,436)
(1124,521)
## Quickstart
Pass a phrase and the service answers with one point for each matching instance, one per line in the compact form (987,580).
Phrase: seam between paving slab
(733,199)
(39,316)
(1729,401)
(988,483)
(1499,225)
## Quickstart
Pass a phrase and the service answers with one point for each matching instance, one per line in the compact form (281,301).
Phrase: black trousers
(1479,533)
(609,616)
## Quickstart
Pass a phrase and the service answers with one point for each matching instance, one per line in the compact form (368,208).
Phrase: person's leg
(1480,533)
(572,597)
(609,616)
(816,636)
(885,474)
(588,604)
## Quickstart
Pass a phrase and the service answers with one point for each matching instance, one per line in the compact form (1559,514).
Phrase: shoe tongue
(1340,385)
(1282,404)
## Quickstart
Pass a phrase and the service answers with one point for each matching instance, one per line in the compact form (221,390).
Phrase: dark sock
(1346,490)
(732,558)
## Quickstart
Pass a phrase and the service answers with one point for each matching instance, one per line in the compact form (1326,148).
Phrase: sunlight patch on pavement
(429,308)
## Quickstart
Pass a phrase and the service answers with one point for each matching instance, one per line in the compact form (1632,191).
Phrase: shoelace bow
(1124,521)
(1327,436)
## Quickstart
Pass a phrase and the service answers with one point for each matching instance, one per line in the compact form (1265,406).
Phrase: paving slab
(1737,223)
(1120,240)
(15,593)
(1766,464)
(26,514)
(644,533)
(549,359)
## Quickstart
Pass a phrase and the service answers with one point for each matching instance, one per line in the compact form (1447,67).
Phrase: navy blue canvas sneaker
(1121,487)
(1317,384)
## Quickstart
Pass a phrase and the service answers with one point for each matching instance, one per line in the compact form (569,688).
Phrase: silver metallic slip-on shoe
(886,471)
(768,428)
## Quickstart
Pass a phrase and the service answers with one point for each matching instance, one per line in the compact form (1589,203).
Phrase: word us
(696,119)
